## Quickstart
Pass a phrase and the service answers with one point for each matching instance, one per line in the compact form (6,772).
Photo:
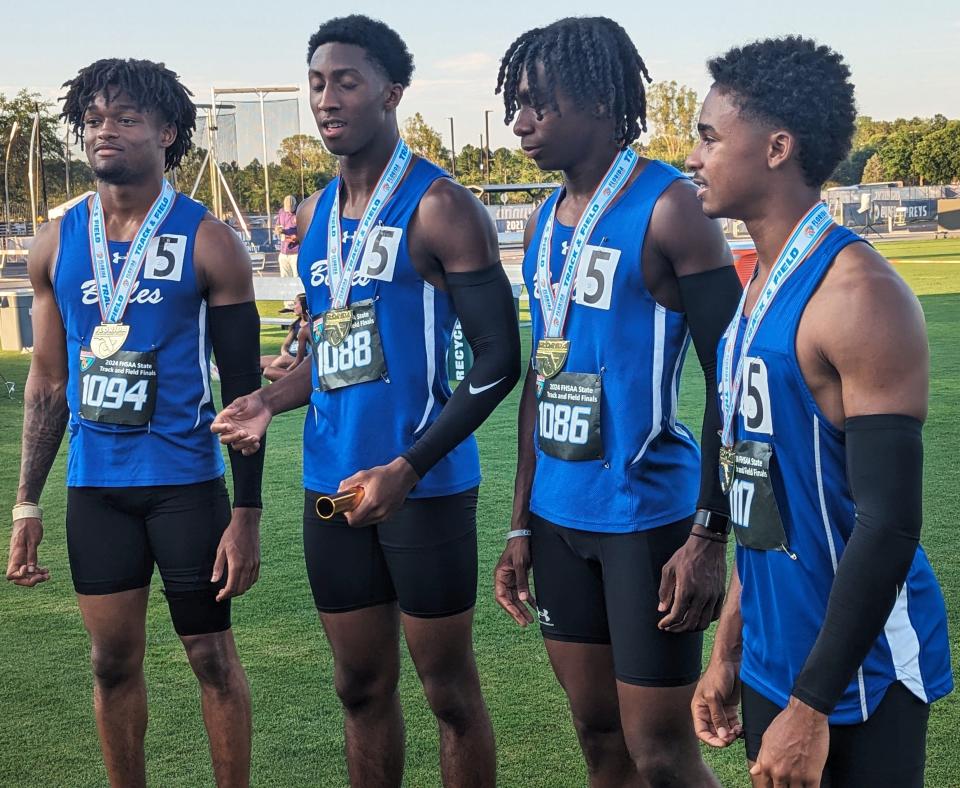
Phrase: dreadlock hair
(795,83)
(382,44)
(592,60)
(151,85)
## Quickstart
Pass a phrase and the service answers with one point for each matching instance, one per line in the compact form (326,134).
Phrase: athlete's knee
(197,612)
(455,701)
(116,663)
(214,662)
(362,690)
(599,735)
(663,762)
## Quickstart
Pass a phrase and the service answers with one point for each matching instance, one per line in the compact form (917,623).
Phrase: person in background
(294,348)
(286,230)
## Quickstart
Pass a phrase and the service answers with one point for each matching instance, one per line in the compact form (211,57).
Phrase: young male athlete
(132,290)
(834,621)
(392,253)
(629,563)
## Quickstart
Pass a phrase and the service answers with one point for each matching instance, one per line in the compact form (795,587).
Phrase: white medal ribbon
(114,297)
(555,310)
(341,276)
(805,235)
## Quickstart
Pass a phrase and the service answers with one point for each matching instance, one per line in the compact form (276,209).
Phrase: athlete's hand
(691,585)
(511,586)
(794,749)
(243,423)
(385,488)
(715,703)
(238,553)
(22,568)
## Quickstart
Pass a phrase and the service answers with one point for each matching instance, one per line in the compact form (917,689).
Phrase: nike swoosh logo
(481,389)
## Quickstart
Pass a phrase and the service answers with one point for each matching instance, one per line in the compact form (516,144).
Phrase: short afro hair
(795,83)
(152,86)
(591,59)
(383,45)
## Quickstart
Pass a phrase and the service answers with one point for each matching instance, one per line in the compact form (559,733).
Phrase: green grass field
(47,734)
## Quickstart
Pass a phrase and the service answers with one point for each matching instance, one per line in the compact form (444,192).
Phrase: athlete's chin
(116,174)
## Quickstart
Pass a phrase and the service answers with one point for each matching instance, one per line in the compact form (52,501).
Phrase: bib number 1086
(564,423)
(100,391)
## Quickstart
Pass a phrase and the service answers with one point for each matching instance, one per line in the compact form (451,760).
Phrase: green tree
(672,110)
(873,170)
(850,170)
(936,158)
(425,141)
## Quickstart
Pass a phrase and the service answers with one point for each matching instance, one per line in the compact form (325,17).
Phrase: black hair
(795,83)
(383,45)
(592,60)
(153,87)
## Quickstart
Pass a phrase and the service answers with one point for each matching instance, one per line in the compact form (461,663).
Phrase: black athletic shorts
(424,557)
(604,588)
(888,749)
(116,534)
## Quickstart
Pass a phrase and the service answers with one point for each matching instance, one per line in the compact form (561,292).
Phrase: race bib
(753,506)
(358,358)
(568,424)
(121,389)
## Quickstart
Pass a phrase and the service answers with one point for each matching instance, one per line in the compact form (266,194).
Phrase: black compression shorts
(604,588)
(424,558)
(115,535)
(888,749)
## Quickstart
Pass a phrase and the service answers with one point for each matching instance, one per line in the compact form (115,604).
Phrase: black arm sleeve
(885,474)
(710,299)
(484,304)
(235,336)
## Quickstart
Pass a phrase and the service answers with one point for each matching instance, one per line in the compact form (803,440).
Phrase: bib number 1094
(100,391)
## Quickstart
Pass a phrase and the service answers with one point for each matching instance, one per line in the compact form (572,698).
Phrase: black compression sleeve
(484,303)
(885,474)
(235,336)
(710,299)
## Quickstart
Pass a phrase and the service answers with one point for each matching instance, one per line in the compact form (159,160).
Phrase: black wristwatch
(713,522)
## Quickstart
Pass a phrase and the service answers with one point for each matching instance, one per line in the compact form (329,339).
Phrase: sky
(903,55)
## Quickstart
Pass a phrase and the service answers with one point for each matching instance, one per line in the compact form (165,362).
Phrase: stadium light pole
(453,151)
(6,187)
(486,127)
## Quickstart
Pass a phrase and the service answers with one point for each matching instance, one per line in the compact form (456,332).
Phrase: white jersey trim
(204,365)
(429,342)
(656,380)
(905,646)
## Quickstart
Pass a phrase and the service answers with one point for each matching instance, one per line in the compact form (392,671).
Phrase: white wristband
(518,532)
(23,510)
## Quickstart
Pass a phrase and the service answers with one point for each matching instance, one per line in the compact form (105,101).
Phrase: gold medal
(337,324)
(551,356)
(108,338)
(728,468)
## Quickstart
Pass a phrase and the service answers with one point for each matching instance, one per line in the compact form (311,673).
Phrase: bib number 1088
(564,423)
(353,353)
(100,391)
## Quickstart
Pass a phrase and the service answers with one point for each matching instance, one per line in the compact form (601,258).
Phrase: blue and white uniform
(784,595)
(368,424)
(167,314)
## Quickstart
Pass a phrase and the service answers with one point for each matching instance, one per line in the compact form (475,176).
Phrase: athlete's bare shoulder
(683,235)
(222,263)
(305,213)
(531,227)
(42,256)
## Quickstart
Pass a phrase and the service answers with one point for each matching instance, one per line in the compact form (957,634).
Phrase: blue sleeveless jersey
(166,314)
(649,474)
(784,600)
(368,424)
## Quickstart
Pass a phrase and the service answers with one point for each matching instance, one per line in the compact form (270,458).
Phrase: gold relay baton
(330,505)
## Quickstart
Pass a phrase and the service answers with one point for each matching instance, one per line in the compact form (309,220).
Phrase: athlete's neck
(771,228)
(125,206)
(360,171)
(581,179)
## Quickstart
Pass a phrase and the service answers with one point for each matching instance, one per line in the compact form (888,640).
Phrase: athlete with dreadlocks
(386,275)
(628,557)
(133,288)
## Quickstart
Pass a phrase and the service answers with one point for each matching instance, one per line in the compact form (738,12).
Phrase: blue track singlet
(367,424)
(649,473)
(167,315)
(784,599)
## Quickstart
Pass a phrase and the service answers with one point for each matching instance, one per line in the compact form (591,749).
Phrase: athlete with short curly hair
(834,622)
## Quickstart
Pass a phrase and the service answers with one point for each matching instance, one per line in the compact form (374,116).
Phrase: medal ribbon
(555,310)
(805,235)
(341,276)
(114,297)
